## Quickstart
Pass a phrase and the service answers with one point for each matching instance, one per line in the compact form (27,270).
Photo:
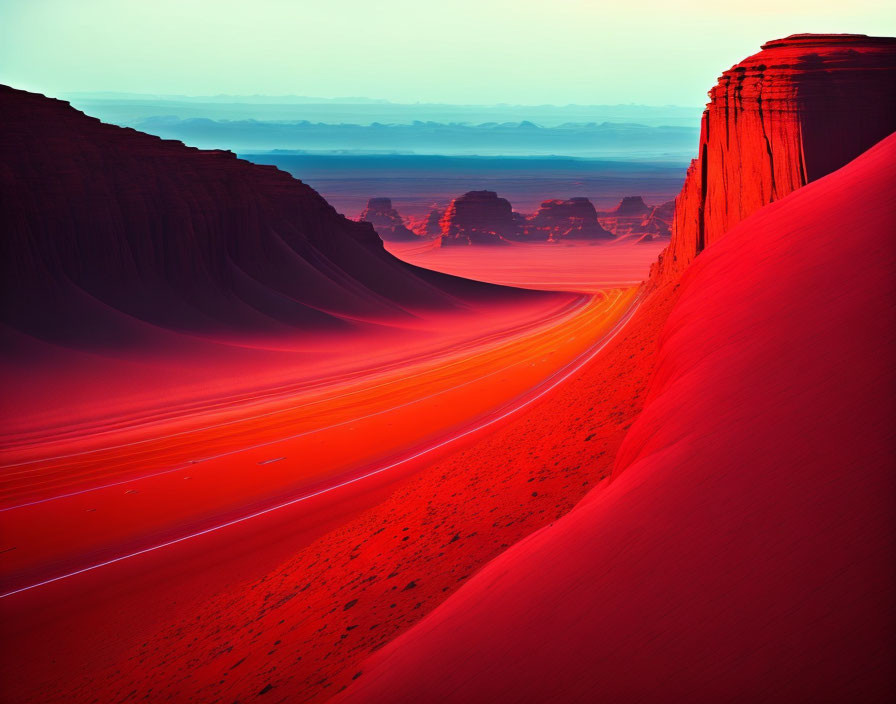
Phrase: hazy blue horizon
(262,99)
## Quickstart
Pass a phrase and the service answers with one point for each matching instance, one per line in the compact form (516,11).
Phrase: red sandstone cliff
(799,109)
(743,548)
(743,551)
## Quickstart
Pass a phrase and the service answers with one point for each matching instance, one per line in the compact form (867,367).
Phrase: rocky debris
(386,220)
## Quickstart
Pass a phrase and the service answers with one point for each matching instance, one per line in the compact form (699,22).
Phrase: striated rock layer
(799,109)
(110,234)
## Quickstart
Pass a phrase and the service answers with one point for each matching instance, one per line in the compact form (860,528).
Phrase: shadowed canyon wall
(108,230)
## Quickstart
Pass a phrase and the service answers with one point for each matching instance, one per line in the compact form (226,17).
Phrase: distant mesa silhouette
(575,218)
(386,220)
(630,206)
(484,218)
(632,216)
(481,218)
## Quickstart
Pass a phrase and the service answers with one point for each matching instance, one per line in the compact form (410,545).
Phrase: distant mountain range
(489,139)
(129,108)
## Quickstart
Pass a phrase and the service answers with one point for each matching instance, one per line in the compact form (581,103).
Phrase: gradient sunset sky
(463,51)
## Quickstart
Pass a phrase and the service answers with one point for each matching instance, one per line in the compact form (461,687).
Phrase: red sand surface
(170,429)
(119,603)
(740,549)
(179,381)
(743,549)
(369,578)
(586,267)
(74,506)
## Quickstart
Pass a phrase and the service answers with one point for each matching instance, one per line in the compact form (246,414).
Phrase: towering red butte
(743,549)
(799,109)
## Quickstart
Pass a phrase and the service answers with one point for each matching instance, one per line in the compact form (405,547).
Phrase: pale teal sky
(461,51)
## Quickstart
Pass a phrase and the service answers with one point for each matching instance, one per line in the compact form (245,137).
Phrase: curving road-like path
(65,514)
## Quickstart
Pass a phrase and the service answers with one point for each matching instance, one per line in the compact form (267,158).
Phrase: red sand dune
(284,622)
(133,622)
(743,550)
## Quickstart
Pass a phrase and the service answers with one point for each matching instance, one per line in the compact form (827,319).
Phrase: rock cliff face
(479,217)
(386,220)
(796,111)
(106,229)
(570,219)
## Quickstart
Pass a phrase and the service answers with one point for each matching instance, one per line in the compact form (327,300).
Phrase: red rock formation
(570,219)
(630,206)
(430,225)
(799,109)
(627,217)
(103,226)
(664,211)
(386,220)
(743,550)
(479,217)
